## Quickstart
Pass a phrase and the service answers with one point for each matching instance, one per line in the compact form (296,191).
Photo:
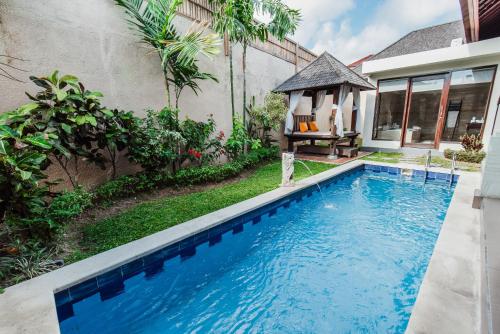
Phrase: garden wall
(91,39)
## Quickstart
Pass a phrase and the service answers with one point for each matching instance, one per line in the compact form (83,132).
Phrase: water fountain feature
(288,160)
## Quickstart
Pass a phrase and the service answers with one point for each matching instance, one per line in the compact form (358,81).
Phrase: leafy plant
(69,204)
(465,155)
(235,18)
(471,142)
(201,144)
(270,116)
(73,122)
(157,140)
(239,138)
(153,20)
(22,161)
(27,260)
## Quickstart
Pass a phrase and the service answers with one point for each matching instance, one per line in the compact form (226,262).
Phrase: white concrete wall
(92,40)
(484,53)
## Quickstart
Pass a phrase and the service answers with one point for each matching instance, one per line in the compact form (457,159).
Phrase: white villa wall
(92,40)
(477,54)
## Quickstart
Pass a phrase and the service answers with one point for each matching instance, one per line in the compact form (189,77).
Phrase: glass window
(424,110)
(388,120)
(467,100)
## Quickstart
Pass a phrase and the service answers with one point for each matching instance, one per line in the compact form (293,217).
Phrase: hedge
(126,186)
(465,156)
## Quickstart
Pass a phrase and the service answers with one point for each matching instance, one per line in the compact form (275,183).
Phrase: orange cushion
(313,126)
(303,127)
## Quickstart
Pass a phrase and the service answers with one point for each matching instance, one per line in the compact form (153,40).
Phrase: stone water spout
(287,170)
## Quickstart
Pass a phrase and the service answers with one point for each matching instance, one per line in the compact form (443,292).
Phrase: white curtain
(320,99)
(356,101)
(294,102)
(339,119)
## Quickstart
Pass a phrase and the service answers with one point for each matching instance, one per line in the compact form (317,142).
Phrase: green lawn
(153,216)
(384,157)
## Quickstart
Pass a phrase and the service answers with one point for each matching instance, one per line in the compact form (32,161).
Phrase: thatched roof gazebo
(324,76)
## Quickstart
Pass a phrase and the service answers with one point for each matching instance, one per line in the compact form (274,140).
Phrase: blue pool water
(351,261)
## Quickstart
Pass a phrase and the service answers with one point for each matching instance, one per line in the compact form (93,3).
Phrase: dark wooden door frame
(406,115)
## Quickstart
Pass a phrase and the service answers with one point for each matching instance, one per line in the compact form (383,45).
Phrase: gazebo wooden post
(290,141)
(313,106)
(333,144)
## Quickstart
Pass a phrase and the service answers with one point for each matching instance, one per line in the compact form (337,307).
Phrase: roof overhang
(481,19)
(486,49)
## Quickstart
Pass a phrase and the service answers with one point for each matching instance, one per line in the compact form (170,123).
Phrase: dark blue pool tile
(62,297)
(286,205)
(171,251)
(418,172)
(394,170)
(188,253)
(215,240)
(83,290)
(201,237)
(442,176)
(111,290)
(256,220)
(187,243)
(132,268)
(455,178)
(65,311)
(431,175)
(384,169)
(154,257)
(153,269)
(238,228)
(109,278)
(272,212)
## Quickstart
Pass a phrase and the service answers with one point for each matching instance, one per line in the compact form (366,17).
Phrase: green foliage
(201,145)
(235,145)
(466,155)
(69,204)
(72,121)
(125,186)
(236,20)
(157,140)
(25,261)
(153,216)
(22,161)
(471,142)
(270,116)
(154,23)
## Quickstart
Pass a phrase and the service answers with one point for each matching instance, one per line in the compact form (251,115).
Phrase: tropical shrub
(466,156)
(125,186)
(268,117)
(201,144)
(239,138)
(154,21)
(157,141)
(22,161)
(471,142)
(69,204)
(73,121)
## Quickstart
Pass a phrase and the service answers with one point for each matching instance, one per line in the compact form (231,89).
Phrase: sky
(352,29)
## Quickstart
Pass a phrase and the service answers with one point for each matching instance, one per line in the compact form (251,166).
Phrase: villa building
(434,85)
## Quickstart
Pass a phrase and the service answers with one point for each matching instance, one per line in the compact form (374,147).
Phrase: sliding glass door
(423,113)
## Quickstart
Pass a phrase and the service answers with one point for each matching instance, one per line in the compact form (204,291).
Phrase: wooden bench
(312,136)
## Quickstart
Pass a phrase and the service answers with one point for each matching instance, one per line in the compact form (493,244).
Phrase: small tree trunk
(245,147)
(231,79)
(64,166)
(244,63)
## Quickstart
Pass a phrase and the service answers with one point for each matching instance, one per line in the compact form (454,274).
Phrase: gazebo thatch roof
(324,73)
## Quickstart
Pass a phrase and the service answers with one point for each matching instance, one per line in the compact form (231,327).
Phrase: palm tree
(153,20)
(236,18)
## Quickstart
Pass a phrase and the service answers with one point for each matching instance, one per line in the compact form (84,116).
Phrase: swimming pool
(349,259)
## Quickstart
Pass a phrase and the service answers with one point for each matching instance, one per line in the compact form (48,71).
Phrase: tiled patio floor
(324,158)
